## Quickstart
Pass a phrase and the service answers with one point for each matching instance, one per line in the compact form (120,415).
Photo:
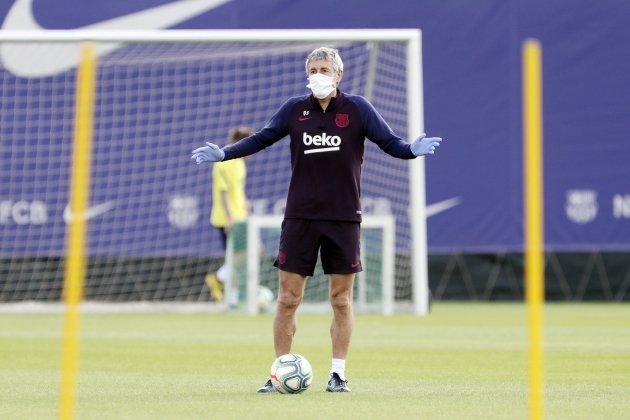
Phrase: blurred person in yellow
(229,205)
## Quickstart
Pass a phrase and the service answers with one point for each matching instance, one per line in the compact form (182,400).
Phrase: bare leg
(343,314)
(289,297)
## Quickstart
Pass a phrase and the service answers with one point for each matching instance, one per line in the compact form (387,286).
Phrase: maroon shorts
(302,240)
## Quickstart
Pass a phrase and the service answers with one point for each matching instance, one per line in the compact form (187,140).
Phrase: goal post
(382,276)
(167,92)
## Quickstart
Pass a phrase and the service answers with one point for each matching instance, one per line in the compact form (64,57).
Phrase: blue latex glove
(425,145)
(209,153)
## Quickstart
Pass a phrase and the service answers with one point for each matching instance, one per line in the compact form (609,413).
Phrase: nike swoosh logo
(90,212)
(440,206)
(31,60)
(304,118)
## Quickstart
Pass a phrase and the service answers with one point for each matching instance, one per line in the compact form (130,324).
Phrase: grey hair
(325,53)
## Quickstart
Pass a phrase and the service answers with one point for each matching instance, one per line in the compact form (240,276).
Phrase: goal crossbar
(209,35)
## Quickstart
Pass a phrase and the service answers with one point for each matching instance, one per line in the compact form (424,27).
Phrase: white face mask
(321,85)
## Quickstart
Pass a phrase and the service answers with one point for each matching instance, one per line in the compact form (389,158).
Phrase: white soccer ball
(291,374)
(265,298)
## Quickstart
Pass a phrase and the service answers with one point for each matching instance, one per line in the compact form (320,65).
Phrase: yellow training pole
(534,225)
(77,229)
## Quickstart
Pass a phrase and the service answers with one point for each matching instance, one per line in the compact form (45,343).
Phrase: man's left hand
(425,145)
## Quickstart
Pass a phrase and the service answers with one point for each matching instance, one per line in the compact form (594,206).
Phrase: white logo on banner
(40,60)
(183,211)
(621,206)
(90,213)
(581,206)
(23,212)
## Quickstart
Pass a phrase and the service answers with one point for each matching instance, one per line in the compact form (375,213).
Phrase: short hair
(239,133)
(325,53)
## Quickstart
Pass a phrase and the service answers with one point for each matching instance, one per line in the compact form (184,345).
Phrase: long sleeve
(275,130)
(379,132)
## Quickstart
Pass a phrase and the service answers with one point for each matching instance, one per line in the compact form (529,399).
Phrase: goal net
(254,280)
(158,95)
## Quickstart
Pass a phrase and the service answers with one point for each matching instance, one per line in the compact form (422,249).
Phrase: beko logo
(331,142)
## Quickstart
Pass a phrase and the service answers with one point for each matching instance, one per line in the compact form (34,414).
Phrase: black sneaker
(335,384)
(268,387)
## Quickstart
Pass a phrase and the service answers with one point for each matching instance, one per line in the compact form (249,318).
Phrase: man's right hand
(209,153)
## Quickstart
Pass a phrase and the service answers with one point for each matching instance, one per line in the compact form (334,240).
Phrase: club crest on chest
(342,120)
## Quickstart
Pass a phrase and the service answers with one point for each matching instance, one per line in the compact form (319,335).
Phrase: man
(323,212)
(229,205)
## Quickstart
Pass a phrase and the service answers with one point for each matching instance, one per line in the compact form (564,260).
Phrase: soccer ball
(291,374)
(265,298)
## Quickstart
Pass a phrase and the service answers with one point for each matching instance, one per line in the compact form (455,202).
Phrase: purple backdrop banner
(472,76)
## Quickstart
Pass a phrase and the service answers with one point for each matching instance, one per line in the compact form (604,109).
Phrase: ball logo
(581,206)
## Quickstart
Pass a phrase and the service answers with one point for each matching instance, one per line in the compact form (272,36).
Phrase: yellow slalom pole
(77,229)
(534,225)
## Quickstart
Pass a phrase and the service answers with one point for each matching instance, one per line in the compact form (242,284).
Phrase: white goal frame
(415,122)
(386,223)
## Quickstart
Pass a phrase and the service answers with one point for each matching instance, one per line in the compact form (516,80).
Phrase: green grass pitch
(464,361)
